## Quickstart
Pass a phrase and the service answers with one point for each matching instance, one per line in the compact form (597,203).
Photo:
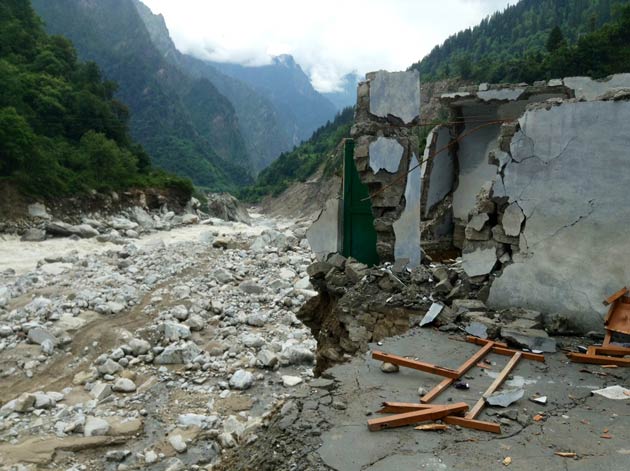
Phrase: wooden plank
(478,341)
(473,424)
(408,418)
(598,359)
(614,297)
(502,349)
(436,391)
(474,412)
(607,338)
(397,407)
(612,350)
(471,362)
(415,364)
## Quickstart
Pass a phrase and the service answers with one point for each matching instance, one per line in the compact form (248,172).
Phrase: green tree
(555,40)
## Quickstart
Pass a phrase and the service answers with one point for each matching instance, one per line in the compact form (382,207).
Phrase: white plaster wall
(442,171)
(407,227)
(569,175)
(324,234)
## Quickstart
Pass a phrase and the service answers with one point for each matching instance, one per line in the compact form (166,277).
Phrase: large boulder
(227,207)
(33,235)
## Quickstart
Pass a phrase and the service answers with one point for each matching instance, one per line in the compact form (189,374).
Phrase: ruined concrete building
(526,182)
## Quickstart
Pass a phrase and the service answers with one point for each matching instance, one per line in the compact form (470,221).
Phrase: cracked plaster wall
(442,168)
(386,144)
(324,234)
(568,176)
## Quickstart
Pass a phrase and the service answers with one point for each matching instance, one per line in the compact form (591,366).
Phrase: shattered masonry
(385,131)
(536,200)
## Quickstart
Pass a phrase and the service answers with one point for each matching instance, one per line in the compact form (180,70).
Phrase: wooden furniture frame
(407,413)
(617,320)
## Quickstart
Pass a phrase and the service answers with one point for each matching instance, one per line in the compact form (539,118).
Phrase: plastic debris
(461,385)
(613,392)
(505,398)
(539,399)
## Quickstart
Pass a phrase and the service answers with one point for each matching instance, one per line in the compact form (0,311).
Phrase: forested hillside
(304,160)
(61,130)
(284,83)
(511,45)
(265,135)
(185,124)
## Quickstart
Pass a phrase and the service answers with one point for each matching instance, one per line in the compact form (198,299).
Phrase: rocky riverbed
(162,351)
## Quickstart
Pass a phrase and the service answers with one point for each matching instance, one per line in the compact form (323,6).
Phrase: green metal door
(359,236)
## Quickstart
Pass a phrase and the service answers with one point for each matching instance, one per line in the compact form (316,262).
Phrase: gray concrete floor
(574,419)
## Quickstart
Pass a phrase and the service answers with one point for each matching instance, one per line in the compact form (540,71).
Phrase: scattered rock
(242,380)
(178,443)
(95,426)
(124,385)
(389,368)
(290,381)
(532,339)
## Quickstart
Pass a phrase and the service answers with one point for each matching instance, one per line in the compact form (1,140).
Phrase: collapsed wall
(533,192)
(386,146)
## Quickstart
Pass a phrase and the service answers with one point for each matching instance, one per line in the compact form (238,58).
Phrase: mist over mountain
(347,96)
(266,135)
(283,82)
(185,123)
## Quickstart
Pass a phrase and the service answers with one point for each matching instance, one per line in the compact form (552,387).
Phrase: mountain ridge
(166,104)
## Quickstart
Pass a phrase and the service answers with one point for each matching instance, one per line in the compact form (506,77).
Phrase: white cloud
(328,38)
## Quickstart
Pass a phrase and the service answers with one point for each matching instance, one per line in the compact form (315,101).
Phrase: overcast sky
(328,38)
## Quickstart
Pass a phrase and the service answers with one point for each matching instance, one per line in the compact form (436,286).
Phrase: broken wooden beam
(614,297)
(408,418)
(502,349)
(474,412)
(467,365)
(598,359)
(398,407)
(472,423)
(415,364)
(611,350)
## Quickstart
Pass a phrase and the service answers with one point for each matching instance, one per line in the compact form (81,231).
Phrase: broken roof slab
(395,93)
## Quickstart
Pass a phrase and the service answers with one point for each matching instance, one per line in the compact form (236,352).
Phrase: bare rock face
(227,207)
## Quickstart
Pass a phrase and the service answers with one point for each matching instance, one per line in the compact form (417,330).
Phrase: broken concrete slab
(532,339)
(480,261)
(477,329)
(432,313)
(502,94)
(385,154)
(468,304)
(478,221)
(505,398)
(395,93)
(588,89)
(442,173)
(323,235)
(407,227)
(513,218)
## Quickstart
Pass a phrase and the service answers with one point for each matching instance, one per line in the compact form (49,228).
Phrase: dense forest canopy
(61,130)
(534,40)
(304,160)
(184,123)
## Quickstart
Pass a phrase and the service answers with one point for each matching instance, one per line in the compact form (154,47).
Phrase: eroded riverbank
(166,350)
